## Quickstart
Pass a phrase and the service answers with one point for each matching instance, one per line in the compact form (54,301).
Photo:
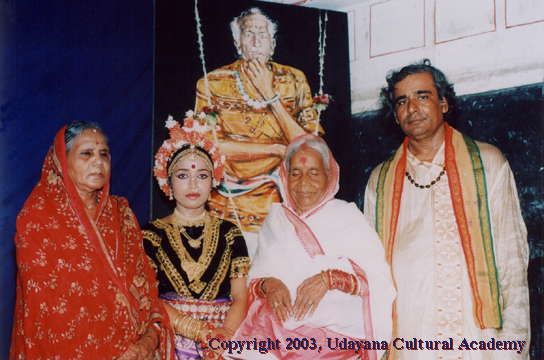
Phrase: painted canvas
(263,73)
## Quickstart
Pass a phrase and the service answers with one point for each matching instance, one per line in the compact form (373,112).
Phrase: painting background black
(511,119)
(178,66)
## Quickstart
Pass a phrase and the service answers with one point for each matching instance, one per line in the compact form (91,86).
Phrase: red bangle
(343,281)
(258,290)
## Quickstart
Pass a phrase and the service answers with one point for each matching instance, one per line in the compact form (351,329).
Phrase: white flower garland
(322,44)
(256,104)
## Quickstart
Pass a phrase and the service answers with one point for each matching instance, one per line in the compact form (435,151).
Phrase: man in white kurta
(435,299)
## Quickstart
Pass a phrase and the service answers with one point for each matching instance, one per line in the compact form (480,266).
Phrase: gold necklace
(194,243)
(183,221)
(180,220)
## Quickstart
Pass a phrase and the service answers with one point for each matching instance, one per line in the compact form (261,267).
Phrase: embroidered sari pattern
(85,288)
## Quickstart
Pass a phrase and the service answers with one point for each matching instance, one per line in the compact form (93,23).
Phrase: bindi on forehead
(193,166)
(303,160)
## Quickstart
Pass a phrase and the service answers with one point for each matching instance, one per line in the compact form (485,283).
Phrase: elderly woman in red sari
(319,279)
(85,288)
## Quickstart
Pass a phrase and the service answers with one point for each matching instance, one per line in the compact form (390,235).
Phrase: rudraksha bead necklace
(426,186)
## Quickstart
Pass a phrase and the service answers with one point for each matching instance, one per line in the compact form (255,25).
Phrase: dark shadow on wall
(511,119)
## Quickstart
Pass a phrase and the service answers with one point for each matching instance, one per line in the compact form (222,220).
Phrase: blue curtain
(64,60)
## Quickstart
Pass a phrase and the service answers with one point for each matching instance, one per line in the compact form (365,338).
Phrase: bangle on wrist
(259,291)
(272,100)
(325,279)
(189,328)
(341,280)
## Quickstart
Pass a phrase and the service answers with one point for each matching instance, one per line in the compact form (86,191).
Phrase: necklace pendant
(194,243)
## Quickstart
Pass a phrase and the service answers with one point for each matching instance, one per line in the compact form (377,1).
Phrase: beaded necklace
(426,186)
(256,104)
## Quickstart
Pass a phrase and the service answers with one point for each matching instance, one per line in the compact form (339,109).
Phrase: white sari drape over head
(333,234)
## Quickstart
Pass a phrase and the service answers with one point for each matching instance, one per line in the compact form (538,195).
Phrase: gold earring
(171,196)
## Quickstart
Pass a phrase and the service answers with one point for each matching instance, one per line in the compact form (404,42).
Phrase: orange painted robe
(253,181)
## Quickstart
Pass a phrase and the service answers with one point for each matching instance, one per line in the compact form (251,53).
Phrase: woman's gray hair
(75,128)
(237,22)
(318,145)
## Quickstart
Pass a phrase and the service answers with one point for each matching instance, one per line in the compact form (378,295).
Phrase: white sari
(332,235)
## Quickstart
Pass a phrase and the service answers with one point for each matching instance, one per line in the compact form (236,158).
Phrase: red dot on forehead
(193,166)
(97,143)
(303,160)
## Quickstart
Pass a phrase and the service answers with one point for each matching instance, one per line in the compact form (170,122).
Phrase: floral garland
(192,133)
(211,114)
(321,101)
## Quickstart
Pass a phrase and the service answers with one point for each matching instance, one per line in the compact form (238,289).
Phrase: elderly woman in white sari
(319,284)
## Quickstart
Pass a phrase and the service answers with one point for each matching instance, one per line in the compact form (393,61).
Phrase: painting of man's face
(255,40)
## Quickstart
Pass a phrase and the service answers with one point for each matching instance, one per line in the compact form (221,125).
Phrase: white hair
(237,22)
(318,145)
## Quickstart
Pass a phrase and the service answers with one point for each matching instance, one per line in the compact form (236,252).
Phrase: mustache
(414,116)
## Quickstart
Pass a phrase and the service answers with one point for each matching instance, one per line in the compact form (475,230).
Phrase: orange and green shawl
(468,190)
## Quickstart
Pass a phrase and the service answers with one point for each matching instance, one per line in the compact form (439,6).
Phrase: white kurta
(434,300)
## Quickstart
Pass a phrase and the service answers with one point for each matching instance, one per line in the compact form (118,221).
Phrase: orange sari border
(304,234)
(463,157)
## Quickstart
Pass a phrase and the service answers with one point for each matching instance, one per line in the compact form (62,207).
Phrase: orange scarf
(470,204)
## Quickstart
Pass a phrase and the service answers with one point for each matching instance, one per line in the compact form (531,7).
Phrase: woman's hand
(309,294)
(278,298)
(220,333)
(145,347)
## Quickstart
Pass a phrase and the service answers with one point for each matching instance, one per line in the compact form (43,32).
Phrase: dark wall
(512,120)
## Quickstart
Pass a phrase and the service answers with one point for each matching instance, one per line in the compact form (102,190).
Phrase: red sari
(85,288)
